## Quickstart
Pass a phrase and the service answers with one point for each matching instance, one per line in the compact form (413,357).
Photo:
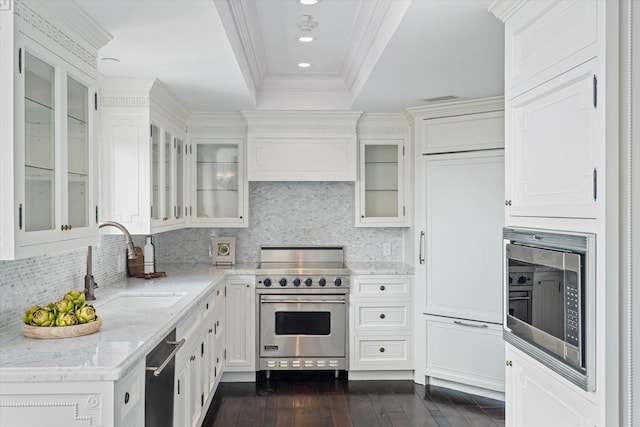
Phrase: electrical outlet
(386,249)
(121,263)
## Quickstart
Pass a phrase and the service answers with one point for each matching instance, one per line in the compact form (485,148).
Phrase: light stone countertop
(122,341)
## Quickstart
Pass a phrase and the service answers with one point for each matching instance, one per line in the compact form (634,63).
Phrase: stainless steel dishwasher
(161,366)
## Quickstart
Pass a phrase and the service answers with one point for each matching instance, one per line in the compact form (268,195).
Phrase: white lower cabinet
(380,324)
(240,324)
(536,397)
(198,365)
(80,403)
(466,352)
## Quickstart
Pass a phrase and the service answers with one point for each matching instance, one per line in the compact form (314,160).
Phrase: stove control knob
(267,282)
(296,282)
(522,280)
(308,282)
(283,282)
(337,281)
(322,281)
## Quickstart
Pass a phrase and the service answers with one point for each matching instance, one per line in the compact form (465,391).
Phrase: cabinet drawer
(380,316)
(382,288)
(483,131)
(385,352)
(129,397)
(545,39)
(465,351)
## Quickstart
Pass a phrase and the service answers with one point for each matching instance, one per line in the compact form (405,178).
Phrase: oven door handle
(303,301)
(519,299)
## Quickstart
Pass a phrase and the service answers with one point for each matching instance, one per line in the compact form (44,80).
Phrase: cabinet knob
(192,358)
(210,330)
(507,202)
(509,363)
(382,288)
(126,398)
(381,349)
(382,316)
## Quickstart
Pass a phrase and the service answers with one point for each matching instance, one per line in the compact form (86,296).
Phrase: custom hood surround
(302,145)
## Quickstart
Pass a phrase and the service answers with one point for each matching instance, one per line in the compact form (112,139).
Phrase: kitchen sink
(142,301)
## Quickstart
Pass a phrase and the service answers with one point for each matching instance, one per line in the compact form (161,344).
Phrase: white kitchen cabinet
(213,342)
(463,239)
(240,324)
(380,187)
(384,171)
(301,145)
(469,132)
(144,155)
(380,324)
(189,393)
(218,183)
(48,172)
(552,164)
(466,352)
(63,404)
(545,39)
(538,397)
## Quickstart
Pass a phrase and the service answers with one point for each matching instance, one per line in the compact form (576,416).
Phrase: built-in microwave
(549,292)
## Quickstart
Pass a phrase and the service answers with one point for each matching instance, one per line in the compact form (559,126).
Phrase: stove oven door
(303,325)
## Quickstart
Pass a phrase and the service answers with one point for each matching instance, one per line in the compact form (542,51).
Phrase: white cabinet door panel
(464,216)
(481,131)
(466,352)
(551,161)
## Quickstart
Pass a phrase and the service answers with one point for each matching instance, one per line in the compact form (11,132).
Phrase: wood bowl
(43,332)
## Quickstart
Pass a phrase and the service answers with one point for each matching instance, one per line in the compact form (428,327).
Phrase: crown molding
(481,105)
(504,9)
(285,122)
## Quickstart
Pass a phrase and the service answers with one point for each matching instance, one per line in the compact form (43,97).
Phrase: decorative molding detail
(217,130)
(456,108)
(55,34)
(74,406)
(6,5)
(124,101)
(383,131)
(296,129)
(504,9)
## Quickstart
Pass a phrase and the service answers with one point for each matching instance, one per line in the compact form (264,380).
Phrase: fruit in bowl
(71,310)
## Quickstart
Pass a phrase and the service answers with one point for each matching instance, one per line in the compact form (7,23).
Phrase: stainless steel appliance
(550,300)
(302,296)
(160,370)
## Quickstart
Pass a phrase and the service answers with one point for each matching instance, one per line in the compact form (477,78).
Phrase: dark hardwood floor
(310,399)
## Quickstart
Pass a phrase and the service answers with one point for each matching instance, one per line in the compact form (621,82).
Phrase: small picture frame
(223,250)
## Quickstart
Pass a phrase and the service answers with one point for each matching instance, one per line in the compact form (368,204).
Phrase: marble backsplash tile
(281,213)
(289,213)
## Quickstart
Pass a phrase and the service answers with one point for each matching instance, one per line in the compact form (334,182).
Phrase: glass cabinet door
(381,191)
(217,181)
(77,153)
(179,150)
(39,174)
(167,211)
(381,181)
(155,172)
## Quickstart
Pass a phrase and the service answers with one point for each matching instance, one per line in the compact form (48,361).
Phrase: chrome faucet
(89,282)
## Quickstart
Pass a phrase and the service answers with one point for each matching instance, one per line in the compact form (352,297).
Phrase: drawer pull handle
(381,349)
(469,325)
(382,316)
(382,288)
(158,370)
(126,398)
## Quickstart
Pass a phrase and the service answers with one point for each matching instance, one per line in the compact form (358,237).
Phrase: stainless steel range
(302,298)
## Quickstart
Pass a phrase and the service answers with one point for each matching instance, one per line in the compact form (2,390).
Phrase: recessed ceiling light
(305,39)
(304,65)
(308,2)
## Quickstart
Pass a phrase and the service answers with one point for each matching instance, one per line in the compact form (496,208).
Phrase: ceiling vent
(442,98)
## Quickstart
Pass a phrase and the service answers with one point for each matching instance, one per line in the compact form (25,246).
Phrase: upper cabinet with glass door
(218,186)
(48,172)
(144,155)
(382,174)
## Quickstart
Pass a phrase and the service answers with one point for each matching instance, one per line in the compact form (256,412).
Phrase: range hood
(302,145)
